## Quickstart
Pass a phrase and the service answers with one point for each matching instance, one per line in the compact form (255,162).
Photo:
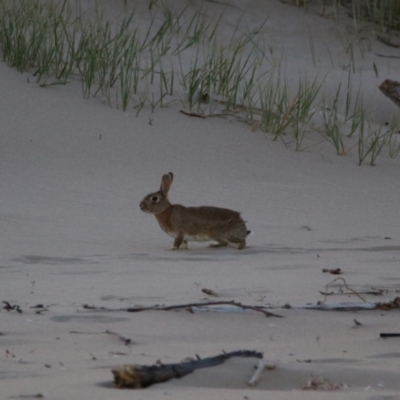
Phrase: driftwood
(388,335)
(391,89)
(188,306)
(142,376)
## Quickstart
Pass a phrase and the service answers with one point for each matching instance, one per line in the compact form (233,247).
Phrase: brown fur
(164,220)
(203,223)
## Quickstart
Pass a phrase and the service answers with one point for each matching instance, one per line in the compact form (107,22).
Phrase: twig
(141,376)
(357,323)
(346,306)
(219,115)
(351,306)
(347,287)
(203,115)
(189,306)
(375,293)
(126,341)
(193,114)
(256,376)
(386,55)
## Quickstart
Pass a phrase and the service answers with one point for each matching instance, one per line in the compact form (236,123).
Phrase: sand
(73,172)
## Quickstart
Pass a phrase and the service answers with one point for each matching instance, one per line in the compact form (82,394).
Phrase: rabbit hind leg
(237,243)
(220,243)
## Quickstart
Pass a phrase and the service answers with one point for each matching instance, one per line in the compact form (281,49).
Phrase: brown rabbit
(198,224)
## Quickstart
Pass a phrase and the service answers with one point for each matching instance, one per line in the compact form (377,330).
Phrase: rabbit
(198,224)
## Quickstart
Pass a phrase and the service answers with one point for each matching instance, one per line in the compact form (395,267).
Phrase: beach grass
(385,13)
(132,66)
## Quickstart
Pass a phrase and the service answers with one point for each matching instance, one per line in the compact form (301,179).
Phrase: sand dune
(73,172)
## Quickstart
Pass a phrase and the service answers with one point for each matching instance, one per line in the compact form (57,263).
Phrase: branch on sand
(345,284)
(353,306)
(188,306)
(374,292)
(142,376)
(126,341)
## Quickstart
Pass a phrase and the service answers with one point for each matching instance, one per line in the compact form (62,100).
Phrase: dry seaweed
(11,307)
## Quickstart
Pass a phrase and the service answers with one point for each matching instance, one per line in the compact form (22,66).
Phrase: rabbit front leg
(237,244)
(179,242)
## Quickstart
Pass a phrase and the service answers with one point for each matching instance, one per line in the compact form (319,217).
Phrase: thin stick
(233,303)
(256,376)
(351,306)
(386,55)
(126,341)
(347,287)
(189,305)
(377,293)
(193,114)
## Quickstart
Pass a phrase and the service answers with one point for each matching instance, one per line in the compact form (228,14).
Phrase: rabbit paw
(219,244)
(179,244)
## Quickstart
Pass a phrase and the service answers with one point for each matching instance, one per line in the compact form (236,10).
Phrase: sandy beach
(73,171)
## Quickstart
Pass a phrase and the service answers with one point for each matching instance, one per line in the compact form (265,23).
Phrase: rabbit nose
(141,205)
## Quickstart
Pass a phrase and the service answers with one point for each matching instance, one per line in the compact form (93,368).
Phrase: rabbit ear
(166,182)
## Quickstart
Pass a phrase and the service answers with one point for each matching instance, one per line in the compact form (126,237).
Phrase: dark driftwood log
(388,335)
(391,89)
(141,376)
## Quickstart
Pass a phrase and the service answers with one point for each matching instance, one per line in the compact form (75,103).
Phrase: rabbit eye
(154,198)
